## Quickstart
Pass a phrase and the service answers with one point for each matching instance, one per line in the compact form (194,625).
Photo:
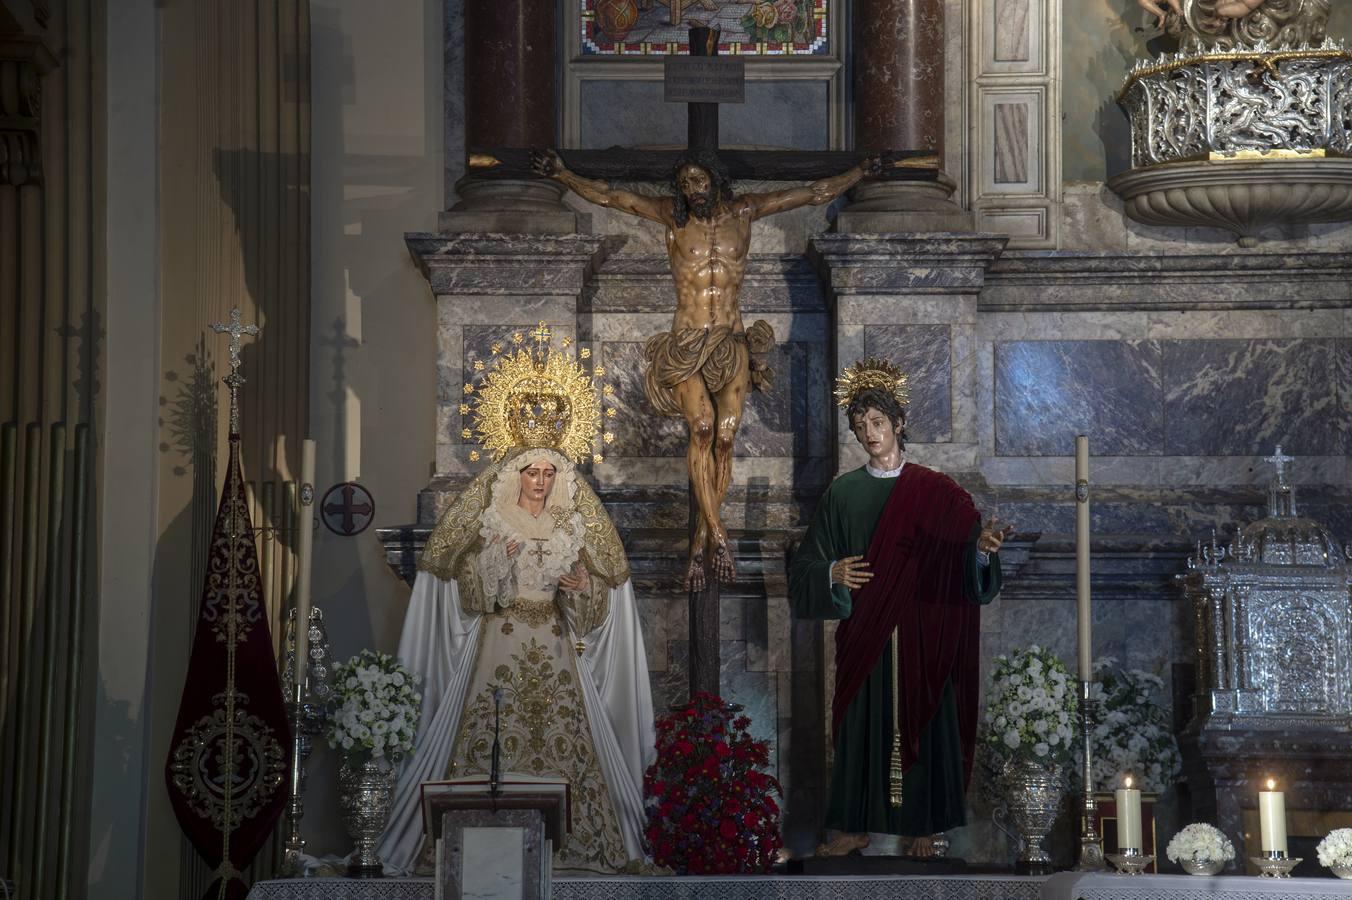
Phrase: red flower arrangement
(711,810)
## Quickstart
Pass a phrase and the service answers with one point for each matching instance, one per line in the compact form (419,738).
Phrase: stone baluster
(898,54)
(509,102)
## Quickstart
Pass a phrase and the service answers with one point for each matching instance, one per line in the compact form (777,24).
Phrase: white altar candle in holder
(1128,818)
(1272,819)
(1086,648)
(304,552)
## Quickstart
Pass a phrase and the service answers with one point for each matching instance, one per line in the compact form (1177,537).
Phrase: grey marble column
(509,102)
(898,52)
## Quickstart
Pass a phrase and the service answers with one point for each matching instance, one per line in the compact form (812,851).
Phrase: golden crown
(537,397)
(872,372)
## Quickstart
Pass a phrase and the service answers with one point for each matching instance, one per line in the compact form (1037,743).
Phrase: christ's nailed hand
(546,162)
(852,571)
(1159,8)
(993,535)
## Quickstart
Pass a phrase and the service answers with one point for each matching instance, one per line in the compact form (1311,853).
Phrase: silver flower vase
(364,791)
(1032,800)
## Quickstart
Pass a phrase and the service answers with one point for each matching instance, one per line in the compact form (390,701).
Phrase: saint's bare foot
(922,847)
(694,573)
(725,570)
(843,844)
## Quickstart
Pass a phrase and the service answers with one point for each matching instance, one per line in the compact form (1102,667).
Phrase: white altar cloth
(1064,886)
(736,887)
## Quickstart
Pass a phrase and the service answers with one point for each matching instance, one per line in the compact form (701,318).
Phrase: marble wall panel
(924,353)
(1046,392)
(1343,380)
(756,692)
(638,430)
(1011,143)
(1011,31)
(1230,397)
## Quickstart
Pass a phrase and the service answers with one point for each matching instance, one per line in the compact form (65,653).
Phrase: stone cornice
(519,265)
(1070,282)
(937,263)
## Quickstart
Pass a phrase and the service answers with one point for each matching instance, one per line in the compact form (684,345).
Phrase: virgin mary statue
(524,588)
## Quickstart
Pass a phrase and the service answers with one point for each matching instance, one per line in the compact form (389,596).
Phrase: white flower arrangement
(1336,848)
(376,708)
(1030,708)
(1200,843)
(1133,735)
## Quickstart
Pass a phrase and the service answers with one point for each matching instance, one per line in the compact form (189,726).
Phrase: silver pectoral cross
(539,552)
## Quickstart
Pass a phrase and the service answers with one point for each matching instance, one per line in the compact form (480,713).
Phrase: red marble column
(509,102)
(509,73)
(898,55)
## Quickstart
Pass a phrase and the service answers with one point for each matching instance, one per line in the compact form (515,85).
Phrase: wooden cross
(723,84)
(624,164)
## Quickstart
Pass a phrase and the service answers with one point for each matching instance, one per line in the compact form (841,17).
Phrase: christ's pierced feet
(694,573)
(725,570)
(843,845)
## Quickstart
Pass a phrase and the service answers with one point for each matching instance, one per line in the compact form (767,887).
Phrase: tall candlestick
(1082,557)
(304,549)
(1128,818)
(1272,819)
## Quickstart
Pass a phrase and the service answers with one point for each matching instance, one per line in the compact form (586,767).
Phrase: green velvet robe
(932,790)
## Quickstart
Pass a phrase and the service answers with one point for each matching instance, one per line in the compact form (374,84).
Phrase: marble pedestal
(889,207)
(1226,768)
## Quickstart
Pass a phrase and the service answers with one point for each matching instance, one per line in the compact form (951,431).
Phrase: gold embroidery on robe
(544,732)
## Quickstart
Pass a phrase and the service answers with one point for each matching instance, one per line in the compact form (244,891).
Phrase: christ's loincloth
(675,356)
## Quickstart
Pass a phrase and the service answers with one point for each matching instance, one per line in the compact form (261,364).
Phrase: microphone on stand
(495,764)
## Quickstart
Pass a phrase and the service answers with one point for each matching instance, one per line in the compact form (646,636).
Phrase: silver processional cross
(235,329)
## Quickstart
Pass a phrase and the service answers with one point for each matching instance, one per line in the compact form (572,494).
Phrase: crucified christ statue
(702,369)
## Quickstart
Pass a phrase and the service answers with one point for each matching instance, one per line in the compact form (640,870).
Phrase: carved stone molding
(1242,196)
(23,62)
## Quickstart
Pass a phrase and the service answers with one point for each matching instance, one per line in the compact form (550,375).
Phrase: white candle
(304,547)
(1129,818)
(1082,558)
(1272,819)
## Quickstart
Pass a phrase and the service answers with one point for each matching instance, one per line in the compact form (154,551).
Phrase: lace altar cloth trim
(798,887)
(1100,886)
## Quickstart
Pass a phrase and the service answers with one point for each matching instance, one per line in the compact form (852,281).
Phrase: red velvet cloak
(919,556)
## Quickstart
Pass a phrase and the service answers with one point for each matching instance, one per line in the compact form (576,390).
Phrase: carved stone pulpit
(1272,613)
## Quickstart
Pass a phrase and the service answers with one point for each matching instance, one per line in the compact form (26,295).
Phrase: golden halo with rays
(537,397)
(872,372)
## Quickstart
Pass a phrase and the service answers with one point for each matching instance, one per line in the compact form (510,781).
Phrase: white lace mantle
(550,543)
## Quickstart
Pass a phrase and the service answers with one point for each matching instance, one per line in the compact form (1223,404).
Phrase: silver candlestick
(1275,863)
(1091,842)
(307,709)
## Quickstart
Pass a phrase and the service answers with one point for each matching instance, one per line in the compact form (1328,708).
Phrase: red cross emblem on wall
(347,508)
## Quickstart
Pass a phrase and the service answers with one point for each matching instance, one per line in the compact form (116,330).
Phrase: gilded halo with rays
(872,372)
(537,397)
